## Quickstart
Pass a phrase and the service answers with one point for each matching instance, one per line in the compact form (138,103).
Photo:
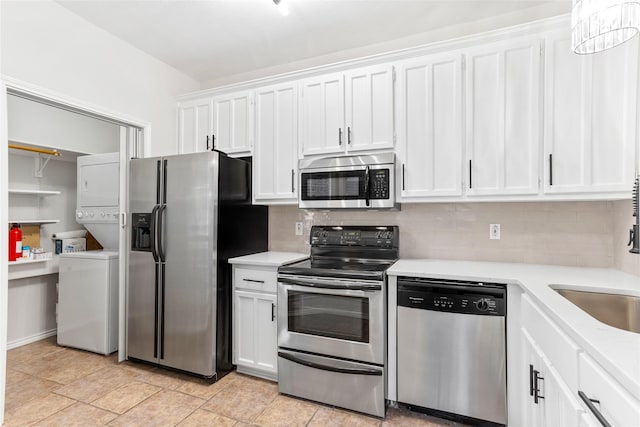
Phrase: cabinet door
(590,118)
(255,331)
(617,405)
(244,316)
(430,127)
(322,115)
(195,125)
(369,108)
(503,126)
(266,340)
(557,405)
(275,159)
(232,122)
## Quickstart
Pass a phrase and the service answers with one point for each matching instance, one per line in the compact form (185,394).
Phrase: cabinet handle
(207,142)
(536,389)
(470,176)
(253,280)
(550,169)
(403,188)
(293,177)
(349,135)
(530,380)
(273,312)
(213,142)
(339,136)
(595,411)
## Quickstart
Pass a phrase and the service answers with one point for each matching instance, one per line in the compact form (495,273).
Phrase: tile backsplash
(587,234)
(622,222)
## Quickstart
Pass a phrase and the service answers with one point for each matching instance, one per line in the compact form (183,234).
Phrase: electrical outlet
(298,229)
(494,231)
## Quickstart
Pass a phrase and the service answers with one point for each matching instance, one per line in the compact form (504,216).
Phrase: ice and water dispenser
(141,239)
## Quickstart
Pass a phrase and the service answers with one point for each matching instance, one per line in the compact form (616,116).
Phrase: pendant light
(597,25)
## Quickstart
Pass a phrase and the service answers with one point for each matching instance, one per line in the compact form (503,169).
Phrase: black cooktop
(358,252)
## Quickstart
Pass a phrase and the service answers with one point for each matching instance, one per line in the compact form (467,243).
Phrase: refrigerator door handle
(154,237)
(160,232)
(162,266)
(155,313)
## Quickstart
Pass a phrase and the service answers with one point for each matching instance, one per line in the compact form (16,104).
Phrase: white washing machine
(88,301)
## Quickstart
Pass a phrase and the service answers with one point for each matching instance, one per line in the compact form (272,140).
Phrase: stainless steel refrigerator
(189,214)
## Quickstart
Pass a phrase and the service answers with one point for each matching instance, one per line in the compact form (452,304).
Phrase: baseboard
(33,338)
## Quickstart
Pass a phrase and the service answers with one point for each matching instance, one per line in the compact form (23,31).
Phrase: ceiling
(210,39)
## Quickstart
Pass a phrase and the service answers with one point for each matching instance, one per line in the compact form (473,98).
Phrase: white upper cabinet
(345,112)
(275,158)
(369,108)
(233,123)
(322,114)
(503,118)
(590,118)
(430,127)
(195,125)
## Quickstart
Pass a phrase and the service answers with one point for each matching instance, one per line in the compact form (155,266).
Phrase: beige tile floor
(48,385)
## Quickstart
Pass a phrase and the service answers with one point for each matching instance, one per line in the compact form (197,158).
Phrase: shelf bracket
(41,163)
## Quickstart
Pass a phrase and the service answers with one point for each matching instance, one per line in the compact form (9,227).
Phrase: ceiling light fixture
(282,7)
(597,25)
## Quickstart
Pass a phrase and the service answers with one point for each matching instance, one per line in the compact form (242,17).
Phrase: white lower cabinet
(255,333)
(617,406)
(548,400)
(554,370)
(254,320)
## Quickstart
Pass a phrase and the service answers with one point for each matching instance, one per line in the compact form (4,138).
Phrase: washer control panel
(97,215)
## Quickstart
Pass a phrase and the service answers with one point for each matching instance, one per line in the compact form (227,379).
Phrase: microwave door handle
(366,186)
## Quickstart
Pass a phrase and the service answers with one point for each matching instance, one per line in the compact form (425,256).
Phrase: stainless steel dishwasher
(451,347)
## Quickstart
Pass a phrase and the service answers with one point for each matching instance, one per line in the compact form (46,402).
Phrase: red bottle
(15,242)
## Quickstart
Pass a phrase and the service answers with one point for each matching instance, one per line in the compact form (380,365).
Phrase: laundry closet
(45,142)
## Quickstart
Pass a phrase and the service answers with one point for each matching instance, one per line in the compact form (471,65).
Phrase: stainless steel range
(332,318)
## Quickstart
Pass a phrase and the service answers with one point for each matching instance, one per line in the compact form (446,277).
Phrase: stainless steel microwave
(348,182)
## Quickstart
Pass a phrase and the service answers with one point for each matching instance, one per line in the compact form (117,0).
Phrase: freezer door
(189,247)
(144,272)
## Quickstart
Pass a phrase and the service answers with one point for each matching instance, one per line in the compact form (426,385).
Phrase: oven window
(342,185)
(333,316)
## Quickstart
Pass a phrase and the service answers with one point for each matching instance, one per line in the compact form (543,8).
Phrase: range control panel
(354,236)
(479,299)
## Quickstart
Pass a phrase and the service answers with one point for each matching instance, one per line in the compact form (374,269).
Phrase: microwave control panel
(379,181)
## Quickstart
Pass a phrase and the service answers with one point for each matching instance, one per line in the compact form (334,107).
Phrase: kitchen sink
(617,310)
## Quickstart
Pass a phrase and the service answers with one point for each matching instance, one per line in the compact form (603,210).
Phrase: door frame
(132,145)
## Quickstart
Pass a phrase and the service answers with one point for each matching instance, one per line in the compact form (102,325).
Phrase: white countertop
(269,259)
(616,350)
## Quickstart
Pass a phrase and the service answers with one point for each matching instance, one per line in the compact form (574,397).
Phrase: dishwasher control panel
(478,299)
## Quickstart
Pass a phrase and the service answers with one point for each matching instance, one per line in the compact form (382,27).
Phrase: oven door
(334,317)
(358,186)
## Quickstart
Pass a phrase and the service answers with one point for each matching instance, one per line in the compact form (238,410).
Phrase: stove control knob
(79,214)
(482,304)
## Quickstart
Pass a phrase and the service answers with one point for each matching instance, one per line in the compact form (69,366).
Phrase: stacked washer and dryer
(88,281)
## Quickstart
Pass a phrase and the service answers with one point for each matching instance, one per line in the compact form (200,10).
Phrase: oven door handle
(314,283)
(301,361)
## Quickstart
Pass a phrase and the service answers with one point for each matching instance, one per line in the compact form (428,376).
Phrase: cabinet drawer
(255,279)
(561,351)
(617,405)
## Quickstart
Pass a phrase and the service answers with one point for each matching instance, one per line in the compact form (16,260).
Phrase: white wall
(46,45)
(40,124)
(546,10)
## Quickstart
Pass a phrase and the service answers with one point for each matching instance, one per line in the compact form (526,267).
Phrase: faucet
(634,233)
